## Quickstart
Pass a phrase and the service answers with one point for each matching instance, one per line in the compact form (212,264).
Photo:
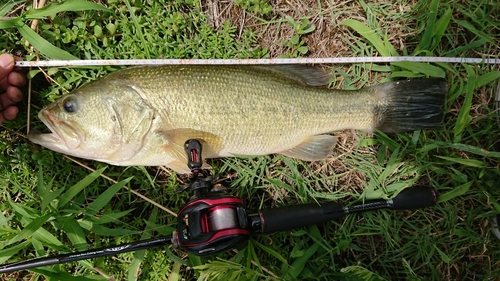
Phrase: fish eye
(69,105)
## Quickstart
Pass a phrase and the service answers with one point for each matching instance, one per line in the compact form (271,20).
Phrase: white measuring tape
(340,60)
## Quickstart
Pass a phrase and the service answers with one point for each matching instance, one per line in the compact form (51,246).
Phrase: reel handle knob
(193,150)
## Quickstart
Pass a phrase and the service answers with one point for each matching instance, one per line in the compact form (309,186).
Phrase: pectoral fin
(313,148)
(179,167)
(174,146)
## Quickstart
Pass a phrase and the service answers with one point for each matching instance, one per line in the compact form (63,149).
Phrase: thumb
(6,65)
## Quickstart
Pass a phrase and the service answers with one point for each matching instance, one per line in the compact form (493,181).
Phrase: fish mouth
(63,136)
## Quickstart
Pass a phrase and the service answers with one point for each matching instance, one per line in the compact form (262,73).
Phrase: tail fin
(412,105)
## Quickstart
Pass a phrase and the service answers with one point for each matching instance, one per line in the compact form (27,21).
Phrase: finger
(14,94)
(9,114)
(6,65)
(17,68)
(11,96)
(16,79)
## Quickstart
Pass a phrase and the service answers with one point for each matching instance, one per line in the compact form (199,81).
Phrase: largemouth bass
(143,115)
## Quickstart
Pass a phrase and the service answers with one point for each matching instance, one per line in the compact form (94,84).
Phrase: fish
(142,116)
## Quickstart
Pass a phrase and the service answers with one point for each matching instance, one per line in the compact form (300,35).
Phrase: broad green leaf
(461,49)
(74,190)
(371,36)
(23,211)
(487,78)
(43,46)
(464,118)
(65,6)
(105,197)
(421,67)
(48,239)
(50,197)
(4,222)
(4,24)
(376,67)
(28,230)
(40,251)
(467,162)
(298,265)
(75,234)
(457,191)
(6,254)
(32,73)
(109,217)
(405,74)
(7,6)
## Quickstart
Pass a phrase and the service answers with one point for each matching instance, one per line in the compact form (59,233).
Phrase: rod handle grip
(419,196)
(290,217)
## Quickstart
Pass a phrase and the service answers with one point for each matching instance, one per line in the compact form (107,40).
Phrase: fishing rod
(214,222)
(338,60)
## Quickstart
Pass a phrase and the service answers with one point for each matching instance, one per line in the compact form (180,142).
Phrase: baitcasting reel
(213,222)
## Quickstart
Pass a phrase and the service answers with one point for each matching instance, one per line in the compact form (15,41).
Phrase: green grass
(50,204)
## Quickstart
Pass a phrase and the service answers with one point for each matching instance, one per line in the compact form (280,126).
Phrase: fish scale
(233,110)
(233,103)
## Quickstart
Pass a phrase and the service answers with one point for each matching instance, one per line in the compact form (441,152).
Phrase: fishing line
(339,60)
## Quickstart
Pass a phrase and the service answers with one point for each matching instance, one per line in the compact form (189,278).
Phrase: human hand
(10,94)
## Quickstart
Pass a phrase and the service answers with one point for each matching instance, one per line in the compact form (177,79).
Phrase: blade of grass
(455,192)
(138,29)
(27,231)
(65,6)
(423,68)
(105,197)
(370,35)
(133,272)
(487,78)
(464,117)
(299,264)
(467,148)
(43,46)
(426,40)
(467,25)
(467,162)
(5,8)
(6,254)
(75,234)
(440,28)
(75,189)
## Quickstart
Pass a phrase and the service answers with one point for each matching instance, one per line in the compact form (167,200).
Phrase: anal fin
(313,148)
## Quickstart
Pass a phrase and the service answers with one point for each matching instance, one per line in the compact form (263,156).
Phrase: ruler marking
(339,60)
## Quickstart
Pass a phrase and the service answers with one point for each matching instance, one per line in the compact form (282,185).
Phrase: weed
(51,205)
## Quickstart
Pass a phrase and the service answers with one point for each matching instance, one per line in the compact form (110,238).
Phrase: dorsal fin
(303,74)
